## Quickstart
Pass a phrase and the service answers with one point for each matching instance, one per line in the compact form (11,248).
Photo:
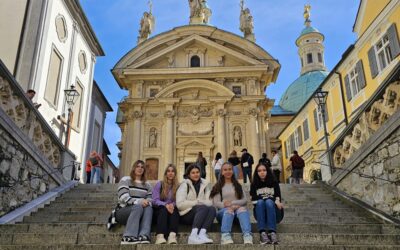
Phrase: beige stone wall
(384,162)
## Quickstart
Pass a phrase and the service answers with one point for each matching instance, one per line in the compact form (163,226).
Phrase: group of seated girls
(194,203)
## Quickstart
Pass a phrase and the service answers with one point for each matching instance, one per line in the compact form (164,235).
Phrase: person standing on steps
(297,164)
(216,164)
(276,165)
(164,197)
(88,170)
(135,202)
(230,200)
(202,163)
(96,162)
(194,205)
(247,162)
(235,161)
(264,160)
(268,209)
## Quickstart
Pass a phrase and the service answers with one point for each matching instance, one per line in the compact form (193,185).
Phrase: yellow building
(364,66)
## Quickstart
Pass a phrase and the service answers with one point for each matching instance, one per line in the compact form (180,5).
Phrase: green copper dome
(301,89)
(307,30)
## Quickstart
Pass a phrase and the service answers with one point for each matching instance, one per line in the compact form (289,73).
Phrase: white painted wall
(69,50)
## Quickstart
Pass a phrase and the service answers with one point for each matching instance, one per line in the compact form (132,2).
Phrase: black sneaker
(144,239)
(129,240)
(264,239)
(274,238)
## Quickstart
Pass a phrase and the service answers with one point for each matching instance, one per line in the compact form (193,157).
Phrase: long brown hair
(132,174)
(166,187)
(217,189)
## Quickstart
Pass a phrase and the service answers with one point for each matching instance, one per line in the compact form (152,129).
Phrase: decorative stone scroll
(170,114)
(25,118)
(369,122)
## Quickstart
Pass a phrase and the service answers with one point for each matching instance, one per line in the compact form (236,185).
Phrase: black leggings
(201,216)
(166,222)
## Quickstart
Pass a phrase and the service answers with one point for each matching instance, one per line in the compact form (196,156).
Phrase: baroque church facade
(192,89)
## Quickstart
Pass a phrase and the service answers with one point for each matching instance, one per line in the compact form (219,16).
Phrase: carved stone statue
(237,136)
(246,23)
(153,138)
(199,12)
(146,26)
(171,60)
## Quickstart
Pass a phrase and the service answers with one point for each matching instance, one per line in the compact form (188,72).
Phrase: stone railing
(369,121)
(32,159)
(367,154)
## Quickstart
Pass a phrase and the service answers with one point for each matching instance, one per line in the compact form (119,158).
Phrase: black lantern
(320,97)
(71,96)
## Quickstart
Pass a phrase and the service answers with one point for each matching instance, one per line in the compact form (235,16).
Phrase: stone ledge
(18,214)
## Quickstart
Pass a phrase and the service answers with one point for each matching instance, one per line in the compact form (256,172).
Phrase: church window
(195,61)
(320,57)
(309,58)
(237,90)
(51,93)
(318,117)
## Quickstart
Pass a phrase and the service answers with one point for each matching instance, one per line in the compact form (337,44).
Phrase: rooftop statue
(147,24)
(199,12)
(246,22)
(307,13)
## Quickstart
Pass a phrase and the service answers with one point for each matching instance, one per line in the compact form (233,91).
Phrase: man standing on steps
(297,164)
(247,162)
(276,165)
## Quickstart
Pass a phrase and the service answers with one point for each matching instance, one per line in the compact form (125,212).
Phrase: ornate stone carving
(153,138)
(368,123)
(237,136)
(246,23)
(170,114)
(199,12)
(221,61)
(220,80)
(221,112)
(146,26)
(253,112)
(171,60)
(136,115)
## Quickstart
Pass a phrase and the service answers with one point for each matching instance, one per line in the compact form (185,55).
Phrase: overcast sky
(277,25)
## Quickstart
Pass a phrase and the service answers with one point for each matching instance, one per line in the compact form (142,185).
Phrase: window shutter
(300,135)
(372,62)
(393,41)
(316,119)
(347,85)
(326,113)
(361,76)
(305,130)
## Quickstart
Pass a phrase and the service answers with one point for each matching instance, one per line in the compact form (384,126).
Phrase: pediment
(194,143)
(176,55)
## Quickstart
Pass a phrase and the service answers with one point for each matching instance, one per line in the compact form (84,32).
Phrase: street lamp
(320,98)
(71,96)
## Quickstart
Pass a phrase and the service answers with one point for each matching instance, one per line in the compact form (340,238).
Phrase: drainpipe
(346,121)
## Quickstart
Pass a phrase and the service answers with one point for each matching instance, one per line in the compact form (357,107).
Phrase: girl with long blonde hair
(164,203)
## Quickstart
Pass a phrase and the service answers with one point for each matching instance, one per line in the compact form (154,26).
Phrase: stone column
(169,137)
(221,133)
(136,138)
(254,142)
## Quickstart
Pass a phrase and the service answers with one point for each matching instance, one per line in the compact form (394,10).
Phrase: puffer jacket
(186,200)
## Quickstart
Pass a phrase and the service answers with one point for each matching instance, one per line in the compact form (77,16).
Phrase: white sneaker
(195,240)
(226,239)
(205,238)
(160,239)
(248,239)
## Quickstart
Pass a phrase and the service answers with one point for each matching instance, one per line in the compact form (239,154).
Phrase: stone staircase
(314,219)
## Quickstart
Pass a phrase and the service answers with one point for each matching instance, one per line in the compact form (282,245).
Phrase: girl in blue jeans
(266,196)
(229,198)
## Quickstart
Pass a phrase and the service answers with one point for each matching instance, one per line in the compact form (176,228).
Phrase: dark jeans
(297,175)
(246,173)
(201,216)
(88,174)
(277,173)
(166,222)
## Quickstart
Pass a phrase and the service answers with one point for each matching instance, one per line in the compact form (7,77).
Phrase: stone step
(282,228)
(29,239)
(201,247)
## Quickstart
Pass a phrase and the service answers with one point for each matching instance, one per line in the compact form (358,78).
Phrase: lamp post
(71,96)
(320,98)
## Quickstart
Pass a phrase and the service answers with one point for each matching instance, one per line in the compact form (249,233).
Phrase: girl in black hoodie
(266,197)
